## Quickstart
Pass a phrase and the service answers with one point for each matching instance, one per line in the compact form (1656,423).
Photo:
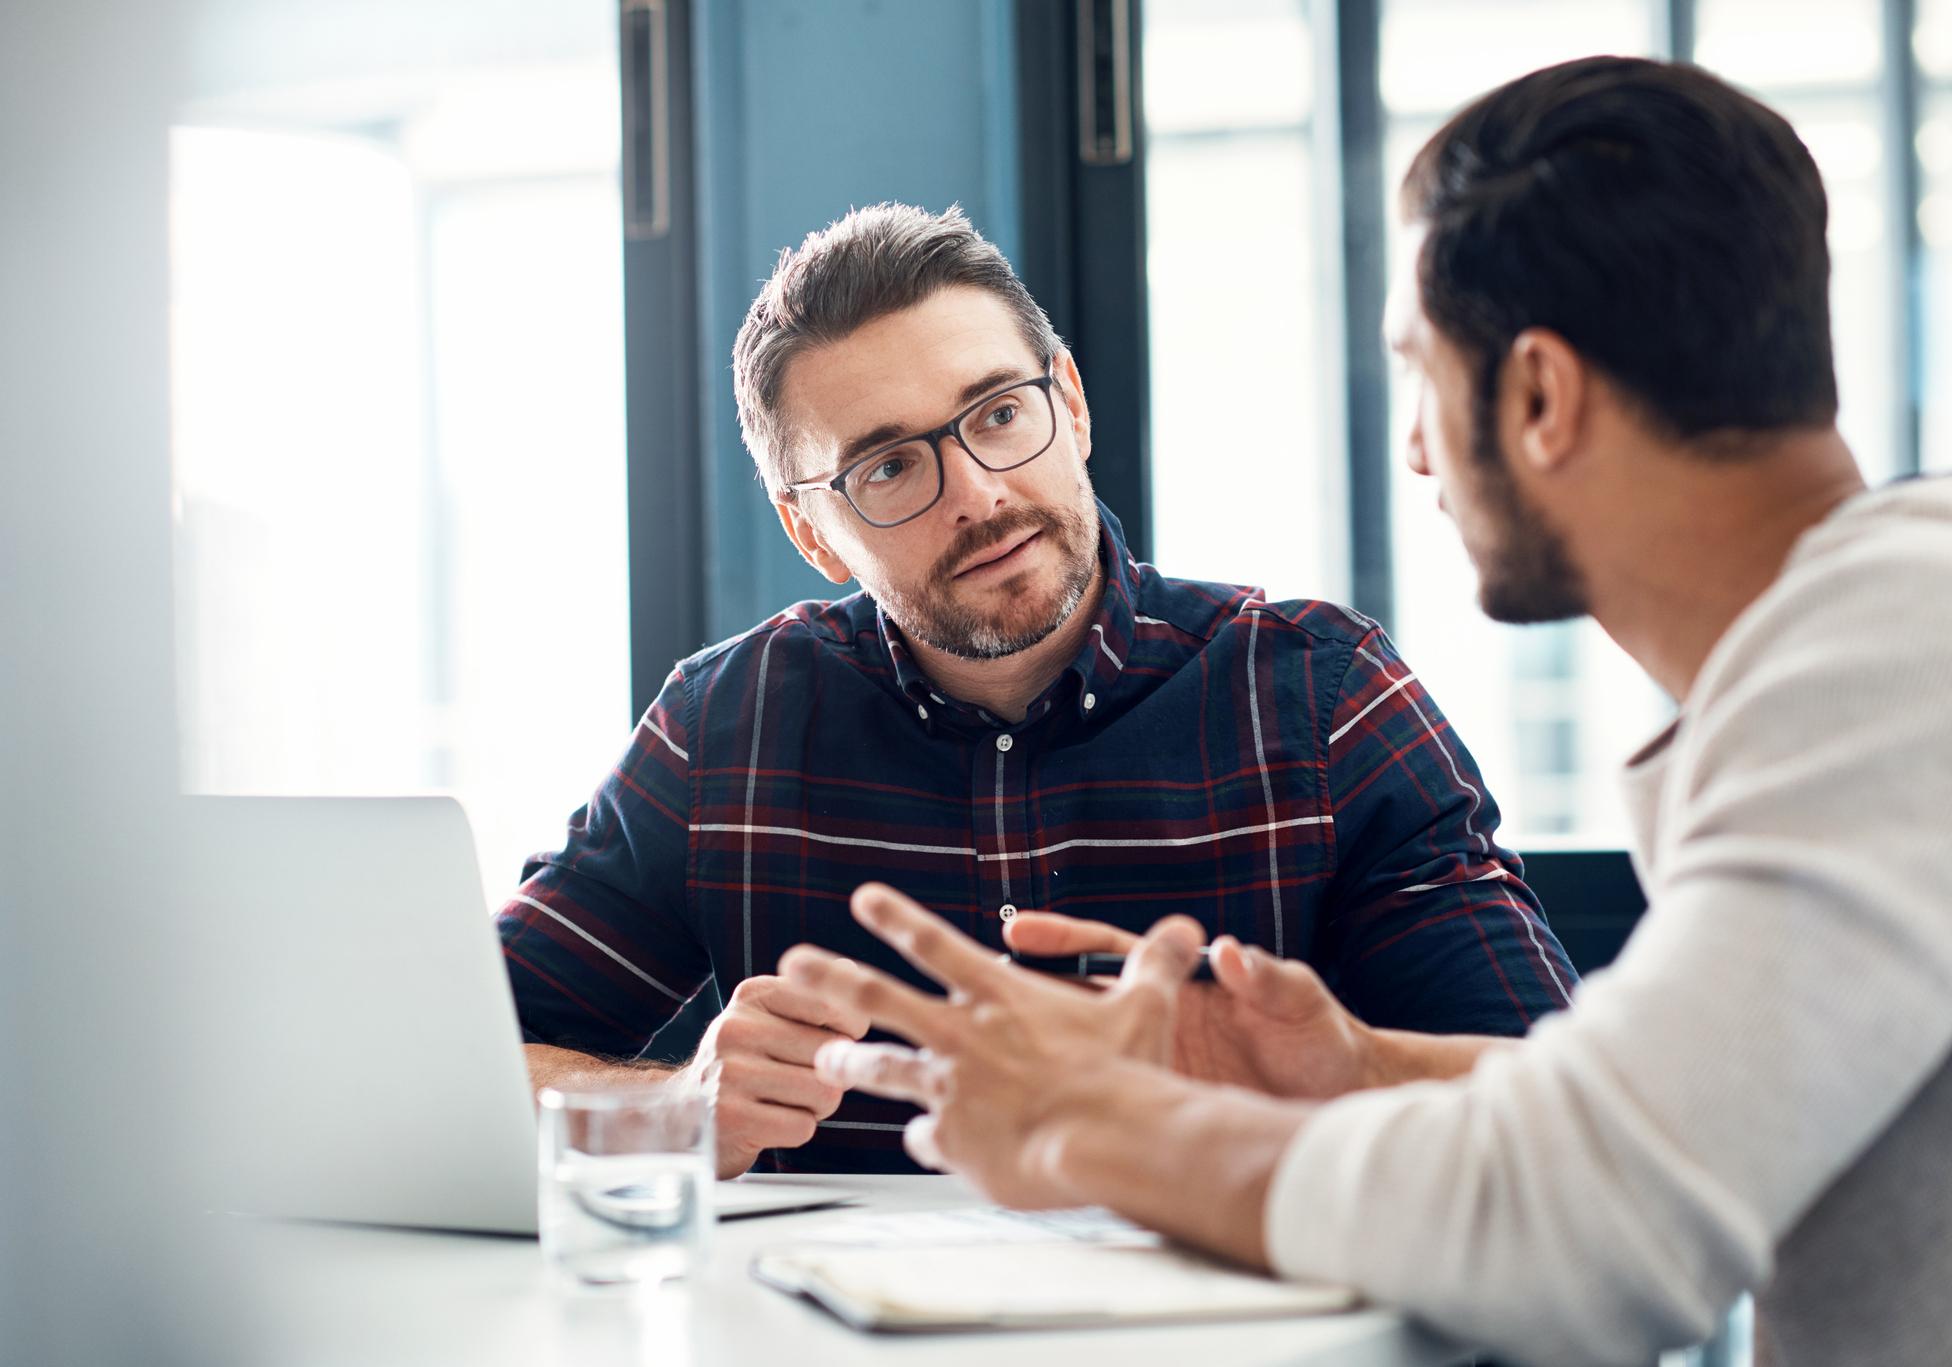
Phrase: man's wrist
(1127,1138)
(1387,1058)
(570,1070)
(1393,1057)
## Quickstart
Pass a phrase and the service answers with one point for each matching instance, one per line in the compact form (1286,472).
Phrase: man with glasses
(1011,713)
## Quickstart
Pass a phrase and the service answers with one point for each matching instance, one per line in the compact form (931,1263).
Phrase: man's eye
(1002,415)
(889,467)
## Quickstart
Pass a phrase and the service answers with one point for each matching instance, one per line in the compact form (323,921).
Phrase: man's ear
(1547,391)
(1069,392)
(808,541)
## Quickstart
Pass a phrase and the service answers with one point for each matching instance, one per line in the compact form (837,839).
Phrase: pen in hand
(1082,967)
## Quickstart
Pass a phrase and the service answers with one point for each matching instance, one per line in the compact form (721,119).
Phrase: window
(397,383)
(1243,274)
(1932,46)
(1244,488)
(1820,65)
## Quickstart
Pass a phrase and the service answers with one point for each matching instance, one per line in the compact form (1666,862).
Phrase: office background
(457,471)
(320,326)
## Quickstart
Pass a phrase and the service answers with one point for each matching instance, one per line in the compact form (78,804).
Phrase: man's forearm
(568,1071)
(1194,1159)
(1398,1056)
(1188,1158)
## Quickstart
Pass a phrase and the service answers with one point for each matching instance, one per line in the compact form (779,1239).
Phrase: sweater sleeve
(1606,1189)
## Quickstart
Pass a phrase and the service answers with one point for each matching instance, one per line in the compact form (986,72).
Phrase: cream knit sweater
(1756,1095)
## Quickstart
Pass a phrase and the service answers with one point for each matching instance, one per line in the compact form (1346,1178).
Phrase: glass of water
(625,1197)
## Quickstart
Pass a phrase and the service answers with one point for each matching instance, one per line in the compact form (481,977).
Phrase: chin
(1029,618)
(1028,613)
(1528,604)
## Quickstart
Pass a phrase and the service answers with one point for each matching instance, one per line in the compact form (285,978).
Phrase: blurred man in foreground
(1617,326)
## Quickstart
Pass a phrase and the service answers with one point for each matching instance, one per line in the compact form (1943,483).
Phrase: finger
(918,1137)
(1165,957)
(926,940)
(873,994)
(792,1002)
(783,1084)
(791,1042)
(889,1070)
(1046,933)
(750,1025)
(745,1123)
(1230,965)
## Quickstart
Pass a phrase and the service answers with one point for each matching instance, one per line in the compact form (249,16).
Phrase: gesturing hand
(1266,1023)
(761,1048)
(1004,1054)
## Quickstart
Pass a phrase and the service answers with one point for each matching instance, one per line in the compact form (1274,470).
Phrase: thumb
(1165,957)
(1282,988)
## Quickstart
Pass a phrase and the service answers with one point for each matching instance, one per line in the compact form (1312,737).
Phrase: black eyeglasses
(898,482)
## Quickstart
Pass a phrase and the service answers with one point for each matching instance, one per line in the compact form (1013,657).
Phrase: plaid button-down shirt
(1273,770)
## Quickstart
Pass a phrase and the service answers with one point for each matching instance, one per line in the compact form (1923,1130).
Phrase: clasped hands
(1010,1060)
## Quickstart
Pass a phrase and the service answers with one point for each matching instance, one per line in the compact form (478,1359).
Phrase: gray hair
(873,262)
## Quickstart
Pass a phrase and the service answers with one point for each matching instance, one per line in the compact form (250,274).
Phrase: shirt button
(1090,701)
(1004,742)
(1007,912)
(921,712)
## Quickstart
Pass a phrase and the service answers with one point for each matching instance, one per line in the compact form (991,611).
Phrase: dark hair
(875,261)
(1668,226)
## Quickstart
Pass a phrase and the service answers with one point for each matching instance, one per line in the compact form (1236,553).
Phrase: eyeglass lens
(1004,431)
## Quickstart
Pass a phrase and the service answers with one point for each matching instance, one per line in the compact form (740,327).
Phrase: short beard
(1526,575)
(933,617)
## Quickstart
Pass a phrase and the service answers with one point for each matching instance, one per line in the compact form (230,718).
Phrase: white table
(342,1295)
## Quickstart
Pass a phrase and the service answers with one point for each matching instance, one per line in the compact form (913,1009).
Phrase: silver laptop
(373,1064)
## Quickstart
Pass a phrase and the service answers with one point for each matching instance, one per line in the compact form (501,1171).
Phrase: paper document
(980,1225)
(984,1268)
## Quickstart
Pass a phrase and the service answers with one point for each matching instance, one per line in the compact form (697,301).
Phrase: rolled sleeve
(597,942)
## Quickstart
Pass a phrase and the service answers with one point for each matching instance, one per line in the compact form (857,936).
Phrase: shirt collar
(1098,665)
(1100,661)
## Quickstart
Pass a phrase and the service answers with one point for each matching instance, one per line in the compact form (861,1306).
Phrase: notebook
(985,1268)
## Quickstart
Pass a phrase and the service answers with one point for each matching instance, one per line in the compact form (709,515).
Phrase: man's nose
(972,491)
(1413,452)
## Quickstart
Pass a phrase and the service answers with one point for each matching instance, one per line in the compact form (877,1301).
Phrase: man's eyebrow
(996,379)
(887,431)
(868,440)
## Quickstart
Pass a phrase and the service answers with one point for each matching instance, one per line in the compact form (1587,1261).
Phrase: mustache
(980,536)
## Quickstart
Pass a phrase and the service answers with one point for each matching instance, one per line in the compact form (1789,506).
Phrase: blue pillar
(805,110)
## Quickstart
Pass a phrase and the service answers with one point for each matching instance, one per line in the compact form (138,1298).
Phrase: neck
(1006,686)
(1676,558)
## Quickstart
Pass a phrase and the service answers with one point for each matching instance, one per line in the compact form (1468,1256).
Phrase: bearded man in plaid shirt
(1011,713)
